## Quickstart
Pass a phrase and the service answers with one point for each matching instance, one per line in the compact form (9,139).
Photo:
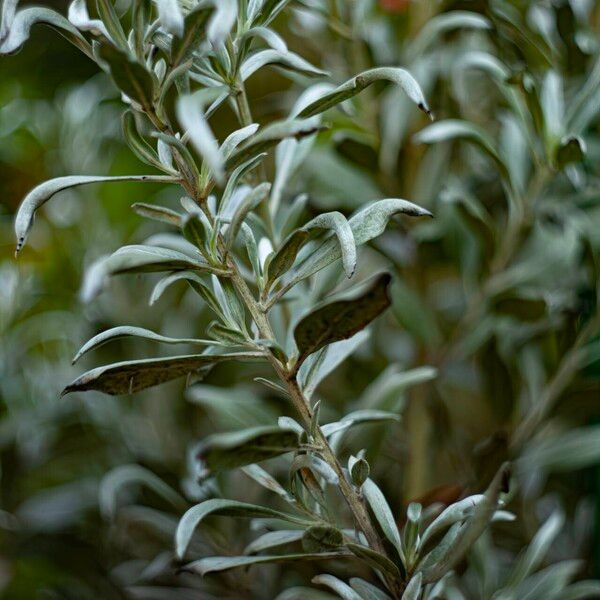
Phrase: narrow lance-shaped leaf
(272,539)
(375,560)
(124,475)
(43,192)
(133,376)
(182,47)
(79,16)
(226,508)
(138,332)
(157,213)
(413,589)
(108,14)
(367,590)
(252,199)
(366,224)
(284,59)
(222,21)
(190,112)
(131,77)
(16,32)
(215,564)
(342,589)
(456,128)
(376,500)
(341,319)
(358,83)
(248,446)
(284,258)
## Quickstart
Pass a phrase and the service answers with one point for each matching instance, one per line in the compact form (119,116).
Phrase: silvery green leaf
(232,181)
(585,106)
(358,83)
(440,24)
(19,27)
(108,14)
(264,479)
(553,106)
(43,192)
(581,589)
(334,321)
(456,129)
(413,589)
(194,24)
(222,21)
(170,16)
(272,39)
(272,539)
(343,590)
(536,551)
(190,112)
(228,508)
(367,591)
(130,76)
(164,154)
(550,582)
(128,331)
(286,60)
(269,10)
(366,224)
(126,475)
(575,449)
(356,417)
(132,376)
(328,360)
(376,500)
(251,200)
(8,9)
(197,231)
(234,139)
(157,213)
(189,164)
(458,511)
(472,530)
(248,446)
(335,221)
(139,146)
(317,465)
(215,564)
(195,282)
(173,241)
(152,259)
(289,423)
(78,15)
(269,136)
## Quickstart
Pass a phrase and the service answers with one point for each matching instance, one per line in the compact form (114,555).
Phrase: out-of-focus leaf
(238,448)
(79,16)
(227,508)
(128,331)
(356,417)
(534,554)
(43,192)
(343,590)
(456,129)
(575,449)
(358,83)
(190,112)
(367,224)
(170,16)
(440,24)
(571,149)
(376,500)
(126,475)
(131,376)
(222,21)
(131,77)
(341,319)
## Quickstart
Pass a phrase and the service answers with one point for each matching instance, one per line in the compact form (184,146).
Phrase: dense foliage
(362,401)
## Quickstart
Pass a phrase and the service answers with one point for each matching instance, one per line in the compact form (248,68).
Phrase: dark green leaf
(322,538)
(375,559)
(340,320)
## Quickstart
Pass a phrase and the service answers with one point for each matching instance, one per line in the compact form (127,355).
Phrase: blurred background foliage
(489,321)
